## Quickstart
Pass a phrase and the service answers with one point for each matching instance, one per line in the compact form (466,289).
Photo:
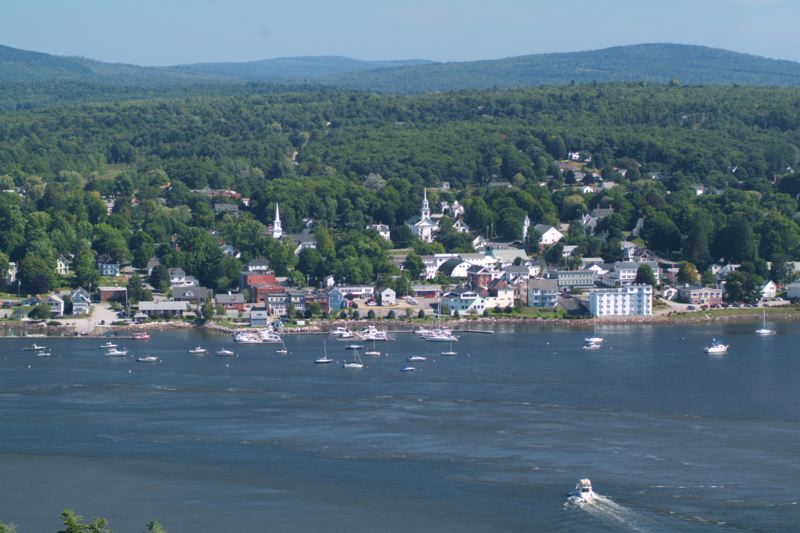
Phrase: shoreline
(321,326)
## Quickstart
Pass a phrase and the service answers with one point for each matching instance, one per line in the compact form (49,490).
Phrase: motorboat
(354,347)
(247,337)
(141,336)
(591,346)
(416,358)
(716,347)
(114,352)
(43,353)
(35,347)
(224,352)
(269,336)
(583,490)
(198,350)
(371,333)
(342,333)
(108,344)
(408,369)
(763,330)
(594,340)
(441,335)
(147,359)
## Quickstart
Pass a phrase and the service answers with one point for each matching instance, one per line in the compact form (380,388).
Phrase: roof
(112,289)
(543,228)
(543,284)
(237,298)
(198,293)
(450,265)
(166,305)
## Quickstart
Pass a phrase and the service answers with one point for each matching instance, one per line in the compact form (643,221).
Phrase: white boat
(324,360)
(408,369)
(342,333)
(35,347)
(109,344)
(441,335)
(373,352)
(43,353)
(354,347)
(763,330)
(247,337)
(199,350)
(355,363)
(450,352)
(416,358)
(371,333)
(147,359)
(716,347)
(141,336)
(583,490)
(594,339)
(591,346)
(114,352)
(282,350)
(224,352)
(269,336)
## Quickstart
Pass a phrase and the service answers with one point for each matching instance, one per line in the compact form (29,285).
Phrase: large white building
(631,300)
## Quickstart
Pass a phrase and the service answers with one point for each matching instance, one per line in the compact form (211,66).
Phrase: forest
(349,159)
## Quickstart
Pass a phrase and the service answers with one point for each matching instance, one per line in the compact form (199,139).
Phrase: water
(492,439)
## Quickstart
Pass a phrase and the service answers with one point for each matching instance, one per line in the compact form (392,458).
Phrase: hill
(657,63)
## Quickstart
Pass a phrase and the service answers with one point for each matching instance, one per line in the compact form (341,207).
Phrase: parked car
(691,308)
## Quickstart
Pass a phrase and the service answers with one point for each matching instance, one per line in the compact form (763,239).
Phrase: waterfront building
(630,300)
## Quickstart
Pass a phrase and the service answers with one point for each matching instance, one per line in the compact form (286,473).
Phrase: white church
(424,226)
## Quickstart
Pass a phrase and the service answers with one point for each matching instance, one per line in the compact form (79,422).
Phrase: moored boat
(108,344)
(141,336)
(147,359)
(416,358)
(115,352)
(224,352)
(716,347)
(198,350)
(408,369)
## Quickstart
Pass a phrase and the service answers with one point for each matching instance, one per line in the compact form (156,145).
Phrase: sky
(170,32)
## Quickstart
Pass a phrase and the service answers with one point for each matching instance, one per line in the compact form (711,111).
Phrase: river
(491,439)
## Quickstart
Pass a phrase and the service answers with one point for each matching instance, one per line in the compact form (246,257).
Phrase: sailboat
(355,363)
(324,359)
(373,352)
(594,339)
(450,351)
(282,350)
(763,330)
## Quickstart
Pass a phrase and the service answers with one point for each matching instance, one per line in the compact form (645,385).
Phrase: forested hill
(657,63)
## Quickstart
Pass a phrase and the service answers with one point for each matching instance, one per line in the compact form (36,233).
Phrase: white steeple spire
(426,209)
(525,225)
(277,232)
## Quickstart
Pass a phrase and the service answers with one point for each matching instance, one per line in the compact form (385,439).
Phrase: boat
(114,352)
(583,490)
(371,333)
(342,333)
(147,359)
(35,347)
(441,335)
(408,369)
(450,351)
(282,350)
(224,352)
(198,350)
(141,336)
(416,358)
(591,346)
(43,353)
(109,344)
(373,352)
(269,336)
(324,359)
(355,363)
(354,347)
(763,330)
(716,347)
(247,337)
(594,339)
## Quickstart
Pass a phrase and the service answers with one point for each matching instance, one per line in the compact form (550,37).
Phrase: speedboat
(583,490)
(591,346)
(408,369)
(269,336)
(198,350)
(342,333)
(593,340)
(247,337)
(716,347)
(441,335)
(141,336)
(224,352)
(113,352)
(371,333)
(109,344)
(43,353)
(147,359)
(416,358)
(35,347)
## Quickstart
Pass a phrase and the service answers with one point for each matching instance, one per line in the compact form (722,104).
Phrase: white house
(62,266)
(630,300)
(460,226)
(466,301)
(793,290)
(56,304)
(387,296)
(382,230)
(769,291)
(549,234)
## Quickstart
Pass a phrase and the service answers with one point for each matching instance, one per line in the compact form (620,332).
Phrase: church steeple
(426,209)
(525,225)
(277,231)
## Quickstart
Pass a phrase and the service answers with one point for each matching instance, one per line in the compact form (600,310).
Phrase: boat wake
(608,511)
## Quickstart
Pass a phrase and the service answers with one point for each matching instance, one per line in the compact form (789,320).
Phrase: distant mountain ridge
(657,63)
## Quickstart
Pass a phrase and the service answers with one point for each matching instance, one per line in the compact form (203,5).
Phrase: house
(56,304)
(548,234)
(570,279)
(228,250)
(165,308)
(513,273)
(336,300)
(793,290)
(81,301)
(259,318)
(387,296)
(152,263)
(503,293)
(542,293)
(630,300)
(108,266)
(425,291)
(478,277)
(460,226)
(302,241)
(466,301)
(699,295)
(222,209)
(177,276)
(250,280)
(258,265)
(11,273)
(230,301)
(195,295)
(364,292)
(62,266)
(769,291)
(112,294)
(382,230)
(507,255)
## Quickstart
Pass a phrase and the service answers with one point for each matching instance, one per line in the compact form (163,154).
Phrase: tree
(661,233)
(159,278)
(743,287)
(7,528)
(208,309)
(74,524)
(371,314)
(155,527)
(644,275)
(85,267)
(413,265)
(35,275)
(554,254)
(137,291)
(421,313)
(687,273)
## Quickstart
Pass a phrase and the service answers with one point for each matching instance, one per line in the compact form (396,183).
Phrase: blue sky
(167,32)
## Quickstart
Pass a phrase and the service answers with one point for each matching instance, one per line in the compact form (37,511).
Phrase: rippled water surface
(491,439)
